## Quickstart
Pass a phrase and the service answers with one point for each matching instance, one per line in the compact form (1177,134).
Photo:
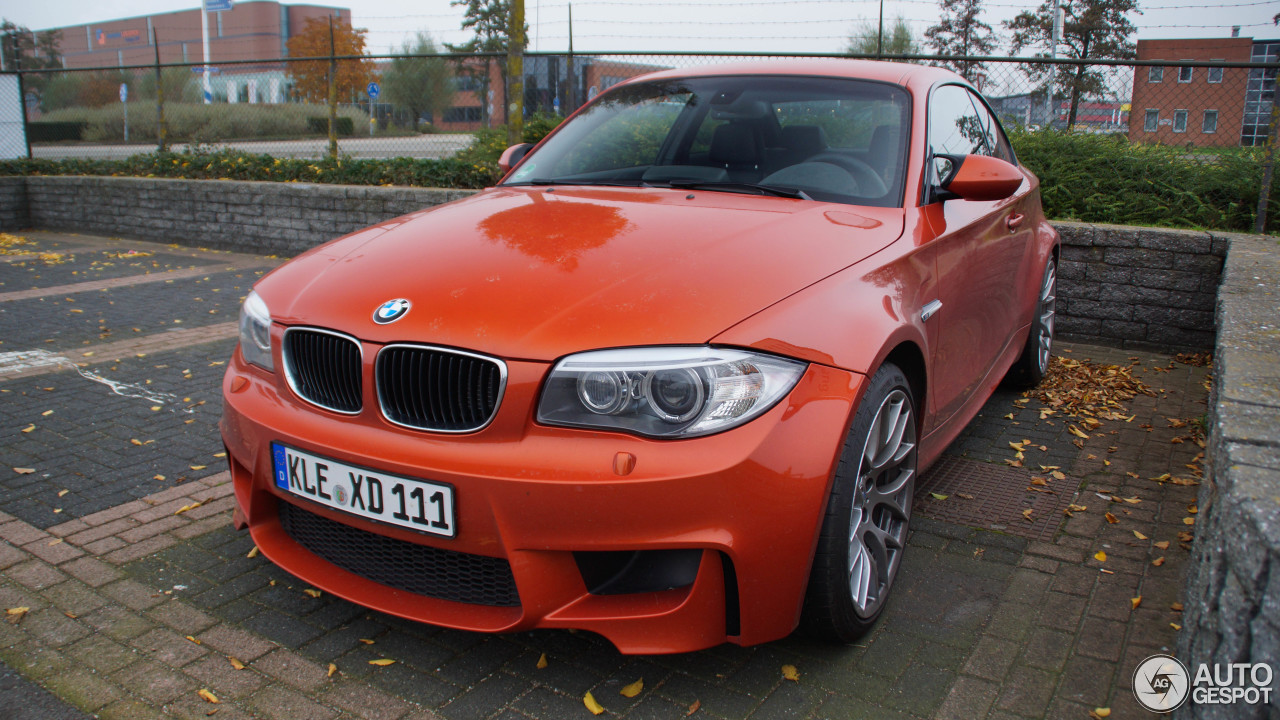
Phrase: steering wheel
(869,182)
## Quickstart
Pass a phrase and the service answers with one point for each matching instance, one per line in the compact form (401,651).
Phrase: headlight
(255,332)
(665,391)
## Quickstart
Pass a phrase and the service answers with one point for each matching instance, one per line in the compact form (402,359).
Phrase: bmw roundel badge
(391,311)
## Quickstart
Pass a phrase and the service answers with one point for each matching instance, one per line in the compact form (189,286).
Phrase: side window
(960,124)
(954,125)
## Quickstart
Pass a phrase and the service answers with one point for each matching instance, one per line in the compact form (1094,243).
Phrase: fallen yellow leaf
(590,701)
(46,413)
(382,662)
(366,641)
(135,441)
(254,552)
(199,467)
(1057,475)
(1139,535)
(1111,518)
(789,672)
(1176,607)
(158,477)
(633,689)
(311,592)
(24,471)
(693,708)
(1026,515)
(1163,544)
(1100,556)
(1175,626)
(936,496)
(15,614)
(208,696)
(1158,561)
(1135,602)
(62,493)
(542,662)
(194,640)
(333,669)
(235,663)
(1101,712)
(28,428)
(1188,521)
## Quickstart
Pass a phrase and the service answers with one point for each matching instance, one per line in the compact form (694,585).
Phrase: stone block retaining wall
(1233,582)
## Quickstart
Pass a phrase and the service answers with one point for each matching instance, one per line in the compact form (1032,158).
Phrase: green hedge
(342,125)
(43,131)
(231,165)
(1107,179)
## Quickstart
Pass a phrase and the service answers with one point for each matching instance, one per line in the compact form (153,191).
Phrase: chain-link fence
(1211,119)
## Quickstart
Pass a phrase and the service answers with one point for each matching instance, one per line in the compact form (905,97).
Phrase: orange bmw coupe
(671,381)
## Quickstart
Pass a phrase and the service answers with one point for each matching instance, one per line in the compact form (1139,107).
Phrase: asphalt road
(413,146)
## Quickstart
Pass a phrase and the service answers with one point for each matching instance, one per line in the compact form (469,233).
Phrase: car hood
(537,273)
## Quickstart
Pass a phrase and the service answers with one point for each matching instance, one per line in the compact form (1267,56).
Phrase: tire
(1032,365)
(864,532)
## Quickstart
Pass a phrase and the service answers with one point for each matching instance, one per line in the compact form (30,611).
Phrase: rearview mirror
(512,156)
(976,177)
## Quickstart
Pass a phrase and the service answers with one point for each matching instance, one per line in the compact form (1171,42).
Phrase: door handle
(1014,221)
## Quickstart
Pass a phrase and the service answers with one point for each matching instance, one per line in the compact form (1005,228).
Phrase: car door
(982,249)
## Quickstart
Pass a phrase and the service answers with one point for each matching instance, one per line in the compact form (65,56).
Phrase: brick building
(1205,107)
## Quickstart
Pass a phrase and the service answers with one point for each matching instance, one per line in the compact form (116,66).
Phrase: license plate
(405,502)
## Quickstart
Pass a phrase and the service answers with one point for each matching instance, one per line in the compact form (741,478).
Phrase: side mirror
(976,177)
(512,156)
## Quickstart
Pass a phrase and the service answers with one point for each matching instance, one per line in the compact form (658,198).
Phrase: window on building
(1179,121)
(1184,74)
(1215,74)
(1210,124)
(462,114)
(1155,74)
(1151,122)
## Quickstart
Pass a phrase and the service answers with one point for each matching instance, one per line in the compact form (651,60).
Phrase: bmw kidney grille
(419,387)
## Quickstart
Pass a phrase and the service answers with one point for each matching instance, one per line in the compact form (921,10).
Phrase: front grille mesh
(435,389)
(324,369)
(422,570)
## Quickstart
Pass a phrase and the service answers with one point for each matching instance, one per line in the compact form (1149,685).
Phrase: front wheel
(864,532)
(1033,364)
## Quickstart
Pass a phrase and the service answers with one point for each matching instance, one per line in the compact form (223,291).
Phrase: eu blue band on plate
(282,465)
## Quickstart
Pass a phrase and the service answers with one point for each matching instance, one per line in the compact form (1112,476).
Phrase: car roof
(898,73)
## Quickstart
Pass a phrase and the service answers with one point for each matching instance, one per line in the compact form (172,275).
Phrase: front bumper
(751,500)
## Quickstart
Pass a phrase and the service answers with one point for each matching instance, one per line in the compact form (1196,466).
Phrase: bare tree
(1092,29)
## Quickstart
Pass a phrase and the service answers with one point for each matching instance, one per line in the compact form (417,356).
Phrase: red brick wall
(1169,95)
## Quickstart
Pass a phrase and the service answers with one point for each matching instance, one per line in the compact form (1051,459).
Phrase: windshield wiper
(743,187)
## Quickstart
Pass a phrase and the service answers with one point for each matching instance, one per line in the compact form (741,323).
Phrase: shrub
(342,125)
(1107,179)
(43,131)
(490,142)
(232,165)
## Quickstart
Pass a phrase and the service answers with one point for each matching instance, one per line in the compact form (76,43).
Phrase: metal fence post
(1268,167)
(162,140)
(515,72)
(333,96)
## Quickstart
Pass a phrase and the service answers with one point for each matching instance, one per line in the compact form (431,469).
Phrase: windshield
(821,138)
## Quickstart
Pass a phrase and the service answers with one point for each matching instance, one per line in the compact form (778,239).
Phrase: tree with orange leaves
(311,79)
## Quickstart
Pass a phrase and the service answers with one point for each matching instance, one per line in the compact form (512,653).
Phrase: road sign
(124,92)
(217,5)
(199,69)
(373,90)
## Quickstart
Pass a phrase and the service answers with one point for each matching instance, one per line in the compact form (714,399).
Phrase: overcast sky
(704,25)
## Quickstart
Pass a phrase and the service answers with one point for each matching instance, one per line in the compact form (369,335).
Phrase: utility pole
(515,72)
(204,37)
(570,91)
(1056,33)
(880,32)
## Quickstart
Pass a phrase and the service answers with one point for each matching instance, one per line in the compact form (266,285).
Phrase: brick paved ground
(140,594)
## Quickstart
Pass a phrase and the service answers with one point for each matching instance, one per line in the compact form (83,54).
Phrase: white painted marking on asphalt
(15,362)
